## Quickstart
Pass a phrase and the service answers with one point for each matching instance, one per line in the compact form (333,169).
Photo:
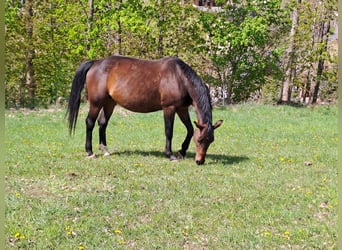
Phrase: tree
(307,49)
(238,42)
(239,48)
(290,58)
(15,54)
(326,11)
(175,28)
(30,53)
(23,65)
(42,47)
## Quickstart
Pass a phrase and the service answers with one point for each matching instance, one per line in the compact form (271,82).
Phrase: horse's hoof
(180,156)
(92,156)
(173,158)
(106,154)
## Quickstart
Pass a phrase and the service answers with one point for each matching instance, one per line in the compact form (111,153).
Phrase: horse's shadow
(211,159)
(225,159)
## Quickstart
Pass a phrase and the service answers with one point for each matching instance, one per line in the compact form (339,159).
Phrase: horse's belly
(138,103)
(141,108)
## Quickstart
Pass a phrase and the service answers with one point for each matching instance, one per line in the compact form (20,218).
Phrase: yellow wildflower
(287,234)
(69,232)
(117,231)
(266,233)
(19,236)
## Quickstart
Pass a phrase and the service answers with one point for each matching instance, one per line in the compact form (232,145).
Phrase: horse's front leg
(183,114)
(169,117)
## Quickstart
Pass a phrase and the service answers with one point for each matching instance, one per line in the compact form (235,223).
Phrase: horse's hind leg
(183,114)
(103,119)
(90,123)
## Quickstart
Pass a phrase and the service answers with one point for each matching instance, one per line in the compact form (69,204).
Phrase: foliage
(240,42)
(238,48)
(52,60)
(311,53)
(259,189)
(15,54)
(269,91)
(65,34)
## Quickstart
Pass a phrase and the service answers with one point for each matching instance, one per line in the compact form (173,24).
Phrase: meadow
(269,182)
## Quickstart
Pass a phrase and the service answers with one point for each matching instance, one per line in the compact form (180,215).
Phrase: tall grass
(269,182)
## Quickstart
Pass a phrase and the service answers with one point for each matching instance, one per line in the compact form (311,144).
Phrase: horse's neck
(203,116)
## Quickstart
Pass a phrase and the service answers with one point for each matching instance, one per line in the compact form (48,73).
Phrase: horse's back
(139,85)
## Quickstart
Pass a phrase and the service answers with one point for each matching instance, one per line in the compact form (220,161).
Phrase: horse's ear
(200,126)
(217,124)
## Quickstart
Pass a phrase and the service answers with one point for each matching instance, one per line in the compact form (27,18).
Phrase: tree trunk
(287,85)
(306,88)
(323,39)
(306,94)
(228,91)
(120,37)
(119,34)
(90,19)
(161,36)
(30,55)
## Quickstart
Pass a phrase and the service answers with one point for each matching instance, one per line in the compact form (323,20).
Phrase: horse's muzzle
(201,162)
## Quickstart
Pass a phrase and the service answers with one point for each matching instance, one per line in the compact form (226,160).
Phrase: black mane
(202,97)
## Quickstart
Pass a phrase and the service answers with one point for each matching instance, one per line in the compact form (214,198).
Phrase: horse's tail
(75,93)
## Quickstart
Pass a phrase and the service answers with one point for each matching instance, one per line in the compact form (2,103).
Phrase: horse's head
(203,137)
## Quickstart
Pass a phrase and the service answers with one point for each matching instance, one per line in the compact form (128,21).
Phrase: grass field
(269,182)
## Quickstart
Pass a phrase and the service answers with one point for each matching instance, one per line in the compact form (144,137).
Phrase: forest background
(270,51)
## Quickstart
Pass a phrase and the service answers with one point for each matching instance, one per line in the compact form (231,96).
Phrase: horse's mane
(202,94)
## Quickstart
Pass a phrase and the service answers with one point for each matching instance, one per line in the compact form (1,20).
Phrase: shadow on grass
(224,159)
(210,158)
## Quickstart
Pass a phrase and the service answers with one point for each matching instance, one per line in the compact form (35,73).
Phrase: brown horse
(144,86)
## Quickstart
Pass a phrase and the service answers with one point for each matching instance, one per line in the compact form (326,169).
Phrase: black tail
(75,93)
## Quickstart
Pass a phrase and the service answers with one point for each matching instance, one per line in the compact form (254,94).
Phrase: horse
(143,86)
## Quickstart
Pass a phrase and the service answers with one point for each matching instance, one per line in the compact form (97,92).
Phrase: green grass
(255,191)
